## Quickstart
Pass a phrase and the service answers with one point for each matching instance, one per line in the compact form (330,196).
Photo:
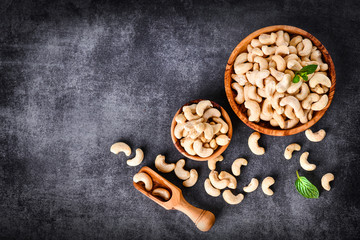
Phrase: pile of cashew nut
(263,80)
(163,193)
(201,129)
(189,177)
(119,147)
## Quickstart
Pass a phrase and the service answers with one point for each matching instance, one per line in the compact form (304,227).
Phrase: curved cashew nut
(190,125)
(275,102)
(267,109)
(192,179)
(180,118)
(261,92)
(256,52)
(179,170)
(202,106)
(294,87)
(280,40)
(280,62)
(210,189)
(321,104)
(309,100)
(255,110)
(267,39)
(200,150)
(274,123)
(294,103)
(216,127)
(240,98)
(291,123)
(296,40)
(216,182)
(200,127)
(263,64)
(230,198)
(139,156)
(208,131)
(253,185)
(307,47)
(241,58)
(319,78)
(268,50)
(236,165)
(304,162)
(232,180)
(280,120)
(265,117)
(241,79)
(320,89)
(316,56)
(257,77)
(304,92)
(325,181)
(255,43)
(222,140)
(289,113)
(190,112)
(250,93)
(118,147)
(145,178)
(224,125)
(242,68)
(276,74)
(282,50)
(270,86)
(253,144)
(292,50)
(161,192)
(188,145)
(294,65)
(291,57)
(284,84)
(212,162)
(179,130)
(315,137)
(290,149)
(211,113)
(265,185)
(162,166)
(213,144)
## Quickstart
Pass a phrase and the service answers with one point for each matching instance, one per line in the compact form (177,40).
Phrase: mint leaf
(296,79)
(304,77)
(305,187)
(309,69)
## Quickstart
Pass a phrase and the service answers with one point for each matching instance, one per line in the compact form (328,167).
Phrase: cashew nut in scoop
(192,179)
(267,109)
(190,112)
(315,137)
(289,112)
(240,98)
(325,181)
(253,185)
(200,150)
(250,93)
(255,43)
(294,87)
(305,164)
(267,39)
(119,147)
(210,189)
(255,110)
(270,86)
(257,77)
(316,56)
(202,106)
(242,68)
(216,182)
(230,198)
(145,178)
(162,166)
(216,127)
(307,47)
(265,185)
(253,144)
(280,40)
(212,162)
(294,103)
(213,144)
(309,100)
(232,180)
(189,125)
(161,192)
(179,170)
(319,78)
(290,149)
(222,140)
(321,104)
(236,165)
(211,113)
(139,156)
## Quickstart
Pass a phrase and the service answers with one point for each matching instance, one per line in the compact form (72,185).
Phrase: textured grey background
(79,76)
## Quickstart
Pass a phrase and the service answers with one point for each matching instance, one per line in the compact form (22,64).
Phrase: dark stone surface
(79,76)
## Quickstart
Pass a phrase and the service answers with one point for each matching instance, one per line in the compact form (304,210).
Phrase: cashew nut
(139,156)
(304,162)
(289,112)
(268,50)
(325,181)
(257,77)
(294,103)
(315,137)
(211,113)
(240,98)
(307,47)
(200,150)
(216,182)
(162,166)
(291,123)
(190,112)
(267,39)
(294,87)
(212,162)
(216,127)
(180,118)
(192,179)
(282,50)
(241,58)
(254,108)
(274,123)
(179,170)
(230,198)
(256,43)
(275,102)
(253,144)
(265,185)
(270,86)
(202,106)
(161,192)
(290,149)
(280,63)
(236,165)
(309,100)
(241,79)
(267,110)
(250,93)
(213,144)
(232,180)
(263,64)
(319,78)
(253,185)
(242,68)
(188,145)
(222,140)
(284,84)
(224,125)
(321,104)
(296,40)
(294,65)
(145,178)
(208,131)
(304,92)
(316,56)
(280,120)
(210,189)
(280,40)
(179,130)
(118,147)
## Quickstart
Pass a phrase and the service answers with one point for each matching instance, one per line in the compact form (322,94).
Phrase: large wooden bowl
(240,110)
(219,150)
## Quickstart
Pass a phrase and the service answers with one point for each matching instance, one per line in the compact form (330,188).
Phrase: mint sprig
(304,72)
(305,187)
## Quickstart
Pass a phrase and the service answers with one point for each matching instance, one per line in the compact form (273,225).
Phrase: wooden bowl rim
(225,116)
(231,95)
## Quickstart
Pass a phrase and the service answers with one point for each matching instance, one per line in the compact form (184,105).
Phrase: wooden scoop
(203,219)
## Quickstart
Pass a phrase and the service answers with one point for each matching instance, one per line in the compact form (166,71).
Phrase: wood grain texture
(203,219)
(240,110)
(219,150)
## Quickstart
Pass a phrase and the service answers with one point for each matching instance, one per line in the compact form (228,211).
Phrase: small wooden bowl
(219,150)
(240,110)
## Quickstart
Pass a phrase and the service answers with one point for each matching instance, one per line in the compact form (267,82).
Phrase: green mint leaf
(309,69)
(305,187)
(304,77)
(296,79)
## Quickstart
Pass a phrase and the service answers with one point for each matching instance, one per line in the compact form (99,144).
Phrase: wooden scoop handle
(203,219)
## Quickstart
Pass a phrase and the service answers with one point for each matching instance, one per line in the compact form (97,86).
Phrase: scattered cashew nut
(210,189)
(289,150)
(230,198)
(315,137)
(236,165)
(179,170)
(325,181)
(265,185)
(162,166)
(139,156)
(192,179)
(118,147)
(212,162)
(253,185)
(304,162)
(232,180)
(253,144)
(216,182)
